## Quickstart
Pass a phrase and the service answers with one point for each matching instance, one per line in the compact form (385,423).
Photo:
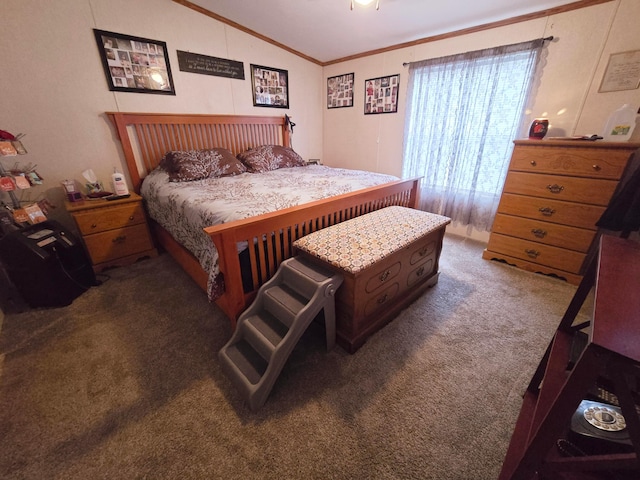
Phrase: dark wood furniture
(395,271)
(145,137)
(115,232)
(554,193)
(555,392)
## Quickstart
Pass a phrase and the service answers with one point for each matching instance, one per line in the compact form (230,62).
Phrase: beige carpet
(124,383)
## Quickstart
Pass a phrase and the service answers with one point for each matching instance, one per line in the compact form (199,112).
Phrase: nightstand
(115,232)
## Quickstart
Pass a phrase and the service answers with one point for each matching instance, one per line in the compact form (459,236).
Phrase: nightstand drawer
(117,243)
(103,219)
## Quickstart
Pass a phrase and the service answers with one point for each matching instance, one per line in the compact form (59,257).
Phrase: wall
(567,92)
(54,88)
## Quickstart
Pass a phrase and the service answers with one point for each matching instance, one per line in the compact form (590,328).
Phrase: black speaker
(47,265)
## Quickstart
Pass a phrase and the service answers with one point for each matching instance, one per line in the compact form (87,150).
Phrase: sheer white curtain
(463,113)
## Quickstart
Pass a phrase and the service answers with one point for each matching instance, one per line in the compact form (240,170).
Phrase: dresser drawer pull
(531,253)
(546,211)
(555,188)
(383,277)
(538,232)
(382,299)
(119,239)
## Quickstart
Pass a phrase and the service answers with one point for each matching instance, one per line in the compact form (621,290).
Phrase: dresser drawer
(561,236)
(534,252)
(117,243)
(581,162)
(103,219)
(572,189)
(555,211)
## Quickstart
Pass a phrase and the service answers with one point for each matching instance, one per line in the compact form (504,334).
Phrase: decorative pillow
(270,157)
(185,166)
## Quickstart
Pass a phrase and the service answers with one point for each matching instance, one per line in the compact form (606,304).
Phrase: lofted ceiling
(325,31)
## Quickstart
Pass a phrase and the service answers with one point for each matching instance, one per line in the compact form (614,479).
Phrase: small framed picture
(135,64)
(340,91)
(381,94)
(270,87)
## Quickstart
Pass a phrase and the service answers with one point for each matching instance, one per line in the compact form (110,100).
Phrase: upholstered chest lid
(358,243)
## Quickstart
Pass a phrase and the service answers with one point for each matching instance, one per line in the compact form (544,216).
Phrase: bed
(248,250)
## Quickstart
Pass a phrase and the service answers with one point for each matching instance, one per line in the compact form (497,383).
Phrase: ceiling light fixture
(364,3)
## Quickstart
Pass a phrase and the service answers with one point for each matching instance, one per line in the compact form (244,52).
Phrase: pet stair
(270,328)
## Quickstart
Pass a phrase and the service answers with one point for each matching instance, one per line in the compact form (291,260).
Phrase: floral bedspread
(184,209)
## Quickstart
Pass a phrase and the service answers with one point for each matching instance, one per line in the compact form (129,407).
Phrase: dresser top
(569,143)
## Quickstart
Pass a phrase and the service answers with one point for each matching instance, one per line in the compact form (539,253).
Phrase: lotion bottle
(620,124)
(119,183)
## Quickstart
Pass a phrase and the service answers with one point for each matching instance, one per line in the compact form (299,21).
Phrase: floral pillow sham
(189,165)
(270,157)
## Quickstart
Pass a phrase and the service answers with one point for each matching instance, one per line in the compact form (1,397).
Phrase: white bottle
(620,124)
(119,183)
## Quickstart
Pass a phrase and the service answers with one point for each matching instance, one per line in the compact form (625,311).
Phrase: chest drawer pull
(119,239)
(384,275)
(538,232)
(546,211)
(382,299)
(531,253)
(420,272)
(555,188)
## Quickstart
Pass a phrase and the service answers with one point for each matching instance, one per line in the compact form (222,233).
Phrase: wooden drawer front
(555,257)
(379,300)
(582,162)
(424,249)
(555,211)
(118,243)
(548,233)
(102,219)
(423,271)
(382,276)
(572,189)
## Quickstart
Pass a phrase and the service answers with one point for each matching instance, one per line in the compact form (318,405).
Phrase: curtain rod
(545,39)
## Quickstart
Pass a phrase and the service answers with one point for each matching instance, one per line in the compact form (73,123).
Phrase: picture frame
(340,91)
(270,87)
(381,94)
(135,64)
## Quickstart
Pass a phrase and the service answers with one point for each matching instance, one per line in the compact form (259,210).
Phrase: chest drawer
(103,219)
(548,233)
(571,189)
(581,162)
(547,255)
(117,243)
(381,299)
(424,248)
(382,276)
(421,272)
(555,211)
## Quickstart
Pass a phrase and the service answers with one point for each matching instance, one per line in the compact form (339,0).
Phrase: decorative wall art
(270,87)
(340,91)
(381,94)
(206,65)
(622,73)
(135,64)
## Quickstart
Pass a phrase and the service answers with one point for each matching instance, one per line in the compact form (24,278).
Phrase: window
(463,113)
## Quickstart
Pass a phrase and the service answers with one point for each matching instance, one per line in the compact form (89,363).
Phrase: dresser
(114,232)
(554,193)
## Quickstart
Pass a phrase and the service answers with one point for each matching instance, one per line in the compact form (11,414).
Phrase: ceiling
(328,30)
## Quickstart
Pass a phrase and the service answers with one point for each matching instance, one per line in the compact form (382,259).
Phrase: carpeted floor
(124,383)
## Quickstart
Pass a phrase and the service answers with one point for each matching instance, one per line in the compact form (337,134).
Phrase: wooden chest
(554,194)
(388,259)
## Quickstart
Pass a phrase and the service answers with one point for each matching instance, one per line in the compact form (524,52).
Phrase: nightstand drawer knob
(555,188)
(93,225)
(132,218)
(533,163)
(597,168)
(119,239)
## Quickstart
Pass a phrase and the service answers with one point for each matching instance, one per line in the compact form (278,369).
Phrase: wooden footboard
(270,236)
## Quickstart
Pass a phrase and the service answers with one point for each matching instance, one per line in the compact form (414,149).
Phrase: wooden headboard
(146,137)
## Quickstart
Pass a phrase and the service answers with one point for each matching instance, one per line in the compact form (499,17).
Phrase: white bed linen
(184,209)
